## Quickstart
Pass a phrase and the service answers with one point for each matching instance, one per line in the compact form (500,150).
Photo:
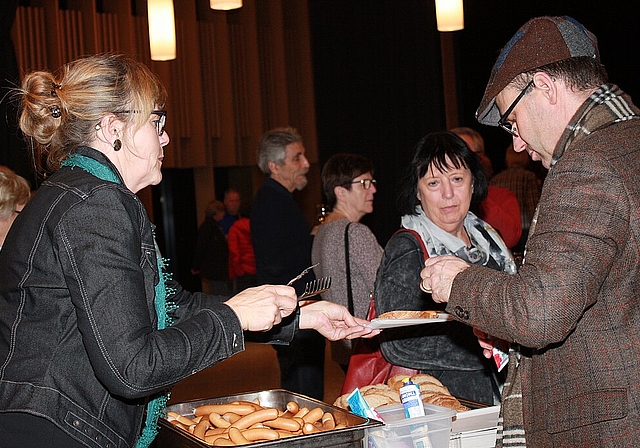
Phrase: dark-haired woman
(442,181)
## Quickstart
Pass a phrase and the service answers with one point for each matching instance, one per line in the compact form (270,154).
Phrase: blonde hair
(14,191)
(476,137)
(59,112)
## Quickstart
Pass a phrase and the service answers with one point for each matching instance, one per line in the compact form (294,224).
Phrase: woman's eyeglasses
(366,183)
(160,122)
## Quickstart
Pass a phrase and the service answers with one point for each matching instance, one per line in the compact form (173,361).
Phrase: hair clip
(55,111)
(55,86)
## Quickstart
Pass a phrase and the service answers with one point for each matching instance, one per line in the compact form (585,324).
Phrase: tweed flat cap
(538,42)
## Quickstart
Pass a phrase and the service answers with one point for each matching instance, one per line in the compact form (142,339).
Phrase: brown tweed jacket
(575,303)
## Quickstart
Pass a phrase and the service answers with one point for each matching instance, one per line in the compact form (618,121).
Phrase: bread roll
(407,314)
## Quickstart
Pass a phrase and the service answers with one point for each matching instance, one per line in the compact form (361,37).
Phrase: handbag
(367,365)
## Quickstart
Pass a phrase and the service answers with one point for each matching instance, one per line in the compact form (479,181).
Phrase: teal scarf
(156,406)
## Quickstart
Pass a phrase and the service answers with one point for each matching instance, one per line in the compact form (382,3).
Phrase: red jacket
(241,257)
(501,210)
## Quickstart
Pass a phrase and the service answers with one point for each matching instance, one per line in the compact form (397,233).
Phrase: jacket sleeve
(111,274)
(580,230)
(397,288)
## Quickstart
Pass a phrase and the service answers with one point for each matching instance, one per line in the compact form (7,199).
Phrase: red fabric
(367,365)
(241,257)
(501,210)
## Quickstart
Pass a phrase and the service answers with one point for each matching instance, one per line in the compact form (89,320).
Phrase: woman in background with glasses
(349,186)
(93,330)
(442,180)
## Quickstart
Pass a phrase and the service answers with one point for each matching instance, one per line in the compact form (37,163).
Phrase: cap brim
(490,116)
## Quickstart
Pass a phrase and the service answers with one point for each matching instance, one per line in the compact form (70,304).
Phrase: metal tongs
(302,274)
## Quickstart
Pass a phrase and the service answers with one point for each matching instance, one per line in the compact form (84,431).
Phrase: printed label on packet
(500,354)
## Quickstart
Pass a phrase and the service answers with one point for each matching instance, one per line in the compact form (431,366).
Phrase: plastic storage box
(475,428)
(431,431)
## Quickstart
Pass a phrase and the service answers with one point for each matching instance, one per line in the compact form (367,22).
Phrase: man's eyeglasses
(366,183)
(507,125)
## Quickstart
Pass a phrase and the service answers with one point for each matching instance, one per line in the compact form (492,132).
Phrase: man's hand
(333,321)
(438,274)
(262,307)
(486,342)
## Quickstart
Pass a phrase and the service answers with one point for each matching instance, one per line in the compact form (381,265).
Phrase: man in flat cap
(572,312)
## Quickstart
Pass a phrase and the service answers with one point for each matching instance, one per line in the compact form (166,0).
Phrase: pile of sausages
(245,422)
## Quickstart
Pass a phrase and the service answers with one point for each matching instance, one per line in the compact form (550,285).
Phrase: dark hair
(445,151)
(340,170)
(579,73)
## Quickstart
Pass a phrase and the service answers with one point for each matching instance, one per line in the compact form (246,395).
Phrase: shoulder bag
(367,365)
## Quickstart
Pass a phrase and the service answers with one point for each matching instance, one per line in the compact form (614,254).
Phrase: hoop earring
(117,144)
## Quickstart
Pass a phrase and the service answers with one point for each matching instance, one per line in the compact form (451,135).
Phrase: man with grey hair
(572,312)
(282,243)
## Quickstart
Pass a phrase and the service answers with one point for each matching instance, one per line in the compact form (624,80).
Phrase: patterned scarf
(605,106)
(487,248)
(156,406)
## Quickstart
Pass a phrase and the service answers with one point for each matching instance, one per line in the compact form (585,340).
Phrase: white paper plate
(392,323)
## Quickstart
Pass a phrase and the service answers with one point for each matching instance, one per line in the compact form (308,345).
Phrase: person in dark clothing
(232,204)
(94,330)
(282,243)
(211,258)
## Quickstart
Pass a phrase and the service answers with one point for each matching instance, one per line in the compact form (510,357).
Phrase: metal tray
(349,437)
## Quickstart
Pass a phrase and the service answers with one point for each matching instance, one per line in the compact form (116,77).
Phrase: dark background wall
(378,74)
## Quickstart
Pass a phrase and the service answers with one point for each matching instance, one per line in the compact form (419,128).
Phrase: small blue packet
(360,407)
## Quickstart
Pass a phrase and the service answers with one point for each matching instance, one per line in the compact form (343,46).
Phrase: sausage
(240,409)
(180,418)
(293,407)
(288,424)
(255,417)
(177,424)
(254,404)
(217,420)
(219,441)
(201,428)
(256,434)
(302,412)
(309,428)
(313,415)
(284,434)
(328,421)
(231,417)
(236,436)
(299,420)
(215,432)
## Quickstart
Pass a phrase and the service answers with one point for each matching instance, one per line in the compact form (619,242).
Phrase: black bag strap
(346,257)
